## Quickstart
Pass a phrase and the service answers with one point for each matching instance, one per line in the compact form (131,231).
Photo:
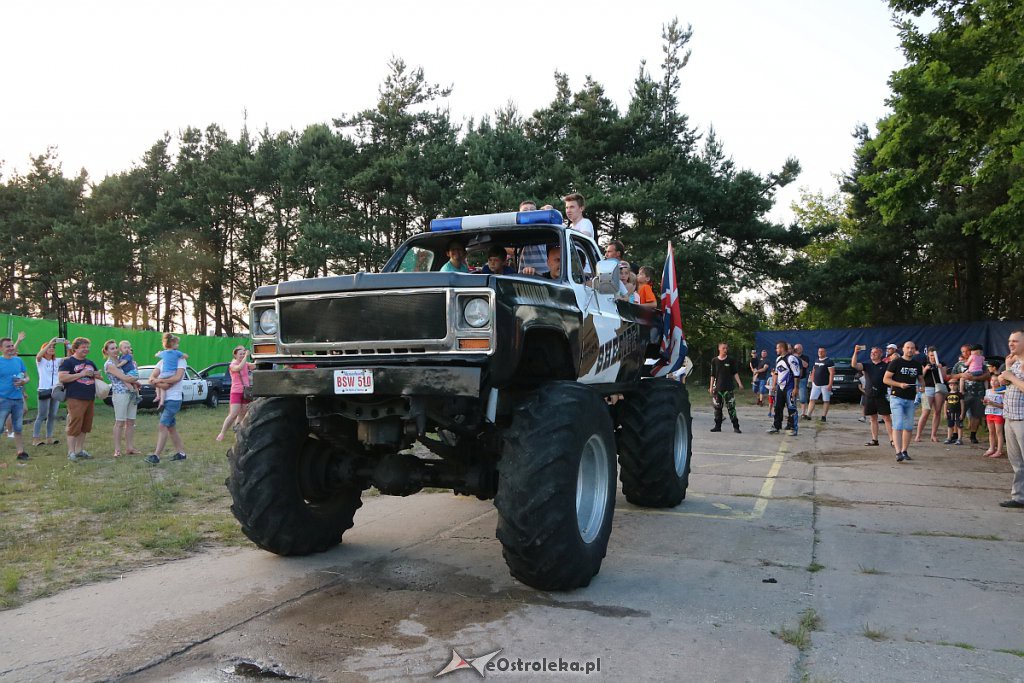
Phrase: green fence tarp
(202,351)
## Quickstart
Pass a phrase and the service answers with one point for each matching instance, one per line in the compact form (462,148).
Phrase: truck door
(602,328)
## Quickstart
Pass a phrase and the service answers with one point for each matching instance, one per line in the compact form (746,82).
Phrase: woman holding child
(124,392)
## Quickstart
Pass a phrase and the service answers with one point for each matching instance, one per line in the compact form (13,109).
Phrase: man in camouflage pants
(725,380)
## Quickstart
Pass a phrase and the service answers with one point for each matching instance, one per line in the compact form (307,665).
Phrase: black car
(845,383)
(220,383)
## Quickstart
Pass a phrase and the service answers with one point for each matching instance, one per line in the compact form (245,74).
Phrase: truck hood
(369,281)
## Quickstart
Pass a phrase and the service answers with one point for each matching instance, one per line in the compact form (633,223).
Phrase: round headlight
(477,312)
(268,321)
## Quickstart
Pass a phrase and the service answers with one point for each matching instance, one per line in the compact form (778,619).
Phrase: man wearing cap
(875,402)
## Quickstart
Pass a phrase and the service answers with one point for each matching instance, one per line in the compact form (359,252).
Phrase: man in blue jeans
(168,416)
(13,376)
(903,374)
(805,365)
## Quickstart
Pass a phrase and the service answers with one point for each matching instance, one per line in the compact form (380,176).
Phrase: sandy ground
(914,570)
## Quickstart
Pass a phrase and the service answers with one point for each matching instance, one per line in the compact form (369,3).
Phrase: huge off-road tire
(278,482)
(655,443)
(556,487)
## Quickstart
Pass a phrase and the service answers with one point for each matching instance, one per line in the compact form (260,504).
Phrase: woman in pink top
(240,379)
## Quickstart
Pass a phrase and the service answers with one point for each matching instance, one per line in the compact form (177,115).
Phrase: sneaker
(949,442)
(22,456)
(716,428)
(73,457)
(153,459)
(958,442)
(862,419)
(900,457)
(1011,504)
(773,430)
(178,456)
(906,456)
(974,439)
(791,432)
(872,442)
(736,428)
(84,455)
(823,419)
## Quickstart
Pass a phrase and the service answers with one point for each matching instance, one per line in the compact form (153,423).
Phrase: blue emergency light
(497,220)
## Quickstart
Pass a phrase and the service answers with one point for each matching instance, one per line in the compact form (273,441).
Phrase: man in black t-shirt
(725,378)
(822,373)
(905,375)
(875,402)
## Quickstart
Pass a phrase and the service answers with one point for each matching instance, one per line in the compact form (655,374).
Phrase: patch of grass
(798,637)
(1015,653)
(875,634)
(810,620)
(949,534)
(869,570)
(815,567)
(9,580)
(64,523)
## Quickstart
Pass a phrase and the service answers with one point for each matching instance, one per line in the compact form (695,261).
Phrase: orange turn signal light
(264,348)
(475,344)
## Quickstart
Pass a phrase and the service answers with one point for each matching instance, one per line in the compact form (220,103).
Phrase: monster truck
(504,383)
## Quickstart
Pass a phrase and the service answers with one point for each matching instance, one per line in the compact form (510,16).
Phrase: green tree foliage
(183,238)
(930,230)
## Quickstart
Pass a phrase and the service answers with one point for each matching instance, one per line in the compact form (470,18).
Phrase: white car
(194,389)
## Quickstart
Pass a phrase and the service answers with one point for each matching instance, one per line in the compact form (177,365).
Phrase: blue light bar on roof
(548,216)
(445,224)
(497,220)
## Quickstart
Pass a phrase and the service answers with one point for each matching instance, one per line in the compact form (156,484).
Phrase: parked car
(194,389)
(220,383)
(846,383)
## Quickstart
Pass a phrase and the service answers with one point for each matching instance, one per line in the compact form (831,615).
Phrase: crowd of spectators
(894,381)
(76,381)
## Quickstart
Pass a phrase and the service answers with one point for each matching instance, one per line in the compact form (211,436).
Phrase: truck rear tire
(278,482)
(655,443)
(556,487)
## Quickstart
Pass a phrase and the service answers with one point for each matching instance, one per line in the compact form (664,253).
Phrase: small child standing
(994,417)
(169,357)
(770,387)
(954,414)
(644,289)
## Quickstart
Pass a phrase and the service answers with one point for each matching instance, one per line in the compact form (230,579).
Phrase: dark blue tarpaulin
(948,339)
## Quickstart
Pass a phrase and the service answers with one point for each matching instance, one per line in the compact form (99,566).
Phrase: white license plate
(353,381)
(839,378)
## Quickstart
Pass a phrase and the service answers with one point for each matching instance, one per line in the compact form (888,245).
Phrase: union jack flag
(673,341)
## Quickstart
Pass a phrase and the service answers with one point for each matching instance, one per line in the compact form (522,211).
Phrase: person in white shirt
(574,206)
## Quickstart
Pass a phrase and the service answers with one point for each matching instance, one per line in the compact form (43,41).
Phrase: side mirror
(607,279)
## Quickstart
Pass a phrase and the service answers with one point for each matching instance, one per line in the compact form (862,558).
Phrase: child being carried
(169,358)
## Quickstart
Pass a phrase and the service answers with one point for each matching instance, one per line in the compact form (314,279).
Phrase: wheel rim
(681,445)
(592,488)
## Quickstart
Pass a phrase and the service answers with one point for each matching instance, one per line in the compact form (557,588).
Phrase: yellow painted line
(769,483)
(760,504)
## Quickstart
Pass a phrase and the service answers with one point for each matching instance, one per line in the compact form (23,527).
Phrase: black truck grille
(368,318)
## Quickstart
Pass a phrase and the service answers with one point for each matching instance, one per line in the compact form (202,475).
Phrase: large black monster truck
(503,378)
